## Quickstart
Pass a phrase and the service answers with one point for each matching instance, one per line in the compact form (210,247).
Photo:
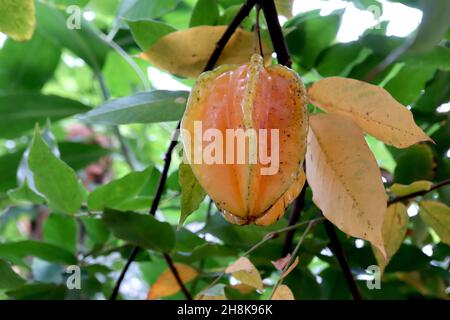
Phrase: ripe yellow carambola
(249,97)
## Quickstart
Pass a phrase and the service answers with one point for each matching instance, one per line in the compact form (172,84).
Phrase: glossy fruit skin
(250,96)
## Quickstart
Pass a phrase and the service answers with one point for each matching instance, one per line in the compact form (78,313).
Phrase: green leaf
(24,193)
(204,251)
(409,82)
(192,193)
(311,36)
(39,292)
(435,24)
(53,178)
(187,241)
(437,57)
(437,92)
(117,192)
(66,3)
(9,163)
(144,9)
(382,45)
(61,231)
(45,251)
(18,20)
(121,79)
(414,163)
(141,230)
(147,32)
(27,65)
(8,278)
(20,112)
(230,12)
(437,216)
(79,155)
(402,190)
(206,12)
(338,59)
(146,107)
(85,42)
(408,258)
(96,229)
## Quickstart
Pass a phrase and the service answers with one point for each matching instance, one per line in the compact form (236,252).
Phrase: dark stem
(336,247)
(240,16)
(131,258)
(258,29)
(234,24)
(177,276)
(420,193)
(276,33)
(293,219)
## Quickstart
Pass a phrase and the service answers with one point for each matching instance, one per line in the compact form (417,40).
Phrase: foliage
(78,190)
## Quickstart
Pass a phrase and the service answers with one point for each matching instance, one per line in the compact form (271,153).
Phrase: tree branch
(234,24)
(420,193)
(177,276)
(294,255)
(276,33)
(339,253)
(240,16)
(388,61)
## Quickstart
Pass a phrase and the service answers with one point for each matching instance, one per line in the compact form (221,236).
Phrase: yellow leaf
(244,271)
(166,285)
(395,225)
(216,292)
(422,281)
(186,52)
(345,178)
(284,7)
(17,19)
(371,107)
(437,216)
(243,288)
(401,190)
(291,267)
(283,293)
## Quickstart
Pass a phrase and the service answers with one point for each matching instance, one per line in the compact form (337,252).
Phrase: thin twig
(269,236)
(419,193)
(234,24)
(123,145)
(294,217)
(276,32)
(388,61)
(257,30)
(131,258)
(293,256)
(240,16)
(131,162)
(339,253)
(174,270)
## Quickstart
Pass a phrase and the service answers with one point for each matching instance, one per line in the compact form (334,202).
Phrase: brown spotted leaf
(371,107)
(345,178)
(186,52)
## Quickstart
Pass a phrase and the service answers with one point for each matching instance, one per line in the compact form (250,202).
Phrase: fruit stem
(276,33)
